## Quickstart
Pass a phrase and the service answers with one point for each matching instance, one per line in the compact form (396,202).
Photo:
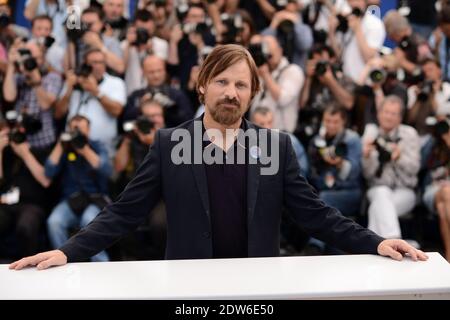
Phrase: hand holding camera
(73,143)
(143,128)
(93,39)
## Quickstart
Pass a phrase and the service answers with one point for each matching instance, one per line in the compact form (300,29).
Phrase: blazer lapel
(253,173)
(198,167)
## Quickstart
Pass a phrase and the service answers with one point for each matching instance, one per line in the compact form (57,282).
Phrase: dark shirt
(227,188)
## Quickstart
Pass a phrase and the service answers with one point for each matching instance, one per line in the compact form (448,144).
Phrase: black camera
(384,149)
(142,123)
(200,28)
(47,41)
(338,150)
(142,36)
(27,61)
(438,127)
(321,68)
(343,21)
(407,44)
(377,75)
(84,70)
(5,20)
(73,140)
(74,34)
(425,90)
(21,125)
(233,25)
(260,53)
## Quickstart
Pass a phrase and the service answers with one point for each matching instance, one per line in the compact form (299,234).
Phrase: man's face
(333,123)
(227,96)
(360,4)
(97,61)
(154,112)
(93,20)
(113,9)
(80,124)
(41,28)
(389,116)
(155,71)
(195,15)
(263,120)
(147,25)
(432,71)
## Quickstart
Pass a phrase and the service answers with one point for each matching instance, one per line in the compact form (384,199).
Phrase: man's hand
(93,39)
(42,260)
(89,84)
(396,152)
(396,248)
(311,68)
(4,139)
(336,162)
(354,22)
(367,149)
(264,71)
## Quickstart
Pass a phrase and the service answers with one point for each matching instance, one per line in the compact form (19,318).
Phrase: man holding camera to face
(391,161)
(92,92)
(33,87)
(85,168)
(324,84)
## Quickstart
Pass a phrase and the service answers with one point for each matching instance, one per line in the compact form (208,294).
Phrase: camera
(47,41)
(260,53)
(5,20)
(406,44)
(233,25)
(438,127)
(142,36)
(84,70)
(321,68)
(425,90)
(73,140)
(384,148)
(142,123)
(182,10)
(333,151)
(199,28)
(27,61)
(343,21)
(21,125)
(377,76)
(75,34)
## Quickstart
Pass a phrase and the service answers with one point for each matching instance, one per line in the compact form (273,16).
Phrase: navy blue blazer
(183,188)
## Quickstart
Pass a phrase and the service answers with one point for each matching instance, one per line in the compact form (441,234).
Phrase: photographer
(335,155)
(56,10)
(177,108)
(34,89)
(137,139)
(317,15)
(378,80)
(95,94)
(92,36)
(186,42)
(428,98)
(324,84)
(85,169)
(139,43)
(41,28)
(24,198)
(391,162)
(294,36)
(113,11)
(357,38)
(440,41)
(437,181)
(411,48)
(281,81)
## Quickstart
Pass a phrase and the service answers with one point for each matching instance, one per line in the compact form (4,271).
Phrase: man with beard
(221,209)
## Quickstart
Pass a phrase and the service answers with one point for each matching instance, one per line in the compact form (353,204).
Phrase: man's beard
(224,115)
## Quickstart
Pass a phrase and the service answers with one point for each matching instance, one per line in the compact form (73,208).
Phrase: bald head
(154,70)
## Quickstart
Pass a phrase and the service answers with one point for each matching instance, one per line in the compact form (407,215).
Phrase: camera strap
(84,99)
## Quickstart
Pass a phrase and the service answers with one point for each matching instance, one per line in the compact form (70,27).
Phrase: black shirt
(227,188)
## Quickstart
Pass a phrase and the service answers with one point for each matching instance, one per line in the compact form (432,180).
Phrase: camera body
(142,36)
(260,53)
(142,124)
(338,150)
(438,127)
(343,20)
(75,34)
(73,140)
(377,76)
(425,90)
(84,70)
(233,24)
(321,68)
(384,148)
(199,28)
(27,62)
(21,125)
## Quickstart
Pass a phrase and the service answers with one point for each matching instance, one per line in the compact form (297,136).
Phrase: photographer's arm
(9,84)
(112,107)
(31,9)
(113,61)
(342,96)
(366,51)
(62,104)
(122,155)
(36,169)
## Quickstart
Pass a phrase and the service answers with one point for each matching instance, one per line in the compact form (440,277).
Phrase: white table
(324,277)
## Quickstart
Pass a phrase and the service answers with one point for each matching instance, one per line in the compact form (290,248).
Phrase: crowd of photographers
(86,88)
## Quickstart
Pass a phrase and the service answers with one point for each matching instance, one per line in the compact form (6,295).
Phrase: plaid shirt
(27,101)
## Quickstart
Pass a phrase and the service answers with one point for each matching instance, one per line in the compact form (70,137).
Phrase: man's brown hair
(221,58)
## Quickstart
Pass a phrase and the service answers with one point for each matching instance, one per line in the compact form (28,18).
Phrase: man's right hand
(41,260)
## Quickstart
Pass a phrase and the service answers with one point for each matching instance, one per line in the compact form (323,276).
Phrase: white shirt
(352,58)
(290,78)
(442,98)
(103,125)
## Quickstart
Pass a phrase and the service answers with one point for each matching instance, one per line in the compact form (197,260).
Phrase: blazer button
(207,234)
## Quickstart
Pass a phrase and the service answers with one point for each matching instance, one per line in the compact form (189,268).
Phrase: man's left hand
(396,248)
